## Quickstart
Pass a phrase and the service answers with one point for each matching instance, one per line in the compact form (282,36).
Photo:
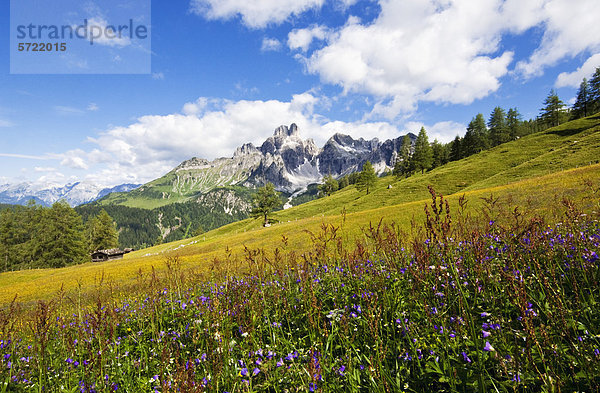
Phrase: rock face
(284,159)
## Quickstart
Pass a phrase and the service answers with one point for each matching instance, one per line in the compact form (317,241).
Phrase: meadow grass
(499,302)
(539,194)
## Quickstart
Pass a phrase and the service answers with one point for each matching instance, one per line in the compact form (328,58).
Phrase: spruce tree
(61,237)
(594,86)
(422,158)
(440,154)
(367,178)
(553,110)
(583,103)
(476,138)
(264,202)
(101,232)
(497,127)
(456,149)
(513,123)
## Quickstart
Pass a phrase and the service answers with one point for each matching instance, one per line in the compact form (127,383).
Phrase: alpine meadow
(301,196)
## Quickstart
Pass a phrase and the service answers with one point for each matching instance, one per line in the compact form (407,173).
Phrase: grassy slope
(540,157)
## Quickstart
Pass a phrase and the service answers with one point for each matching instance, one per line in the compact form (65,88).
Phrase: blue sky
(225,72)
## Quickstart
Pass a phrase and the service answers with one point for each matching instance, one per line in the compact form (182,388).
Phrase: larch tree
(367,178)
(264,202)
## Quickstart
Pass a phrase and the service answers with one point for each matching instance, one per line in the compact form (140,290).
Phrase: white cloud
(573,79)
(75,159)
(302,38)
(67,110)
(444,131)
(254,14)
(158,76)
(44,169)
(270,44)
(101,33)
(92,107)
(208,128)
(418,50)
(570,28)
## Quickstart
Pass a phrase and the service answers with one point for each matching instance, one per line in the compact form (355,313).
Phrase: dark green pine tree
(456,149)
(553,110)
(367,178)
(101,232)
(440,154)
(498,129)
(264,202)
(402,166)
(61,240)
(422,158)
(476,138)
(513,124)
(594,86)
(583,103)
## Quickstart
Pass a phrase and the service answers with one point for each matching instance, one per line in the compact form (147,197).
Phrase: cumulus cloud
(573,79)
(254,14)
(211,128)
(418,51)
(570,28)
(302,38)
(92,107)
(270,44)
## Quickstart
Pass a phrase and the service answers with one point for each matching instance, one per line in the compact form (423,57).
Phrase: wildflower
(255,371)
(341,370)
(488,347)
(312,387)
(485,314)
(280,363)
(465,357)
(485,333)
(243,372)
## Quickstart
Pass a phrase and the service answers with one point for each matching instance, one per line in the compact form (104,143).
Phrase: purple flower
(312,387)
(341,370)
(465,357)
(485,314)
(243,372)
(280,363)
(255,371)
(485,333)
(488,347)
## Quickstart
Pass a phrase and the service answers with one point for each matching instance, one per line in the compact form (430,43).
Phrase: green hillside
(534,171)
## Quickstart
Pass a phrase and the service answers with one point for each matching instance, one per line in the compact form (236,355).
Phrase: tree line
(34,236)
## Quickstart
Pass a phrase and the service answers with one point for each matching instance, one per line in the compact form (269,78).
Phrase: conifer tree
(497,127)
(583,103)
(329,186)
(101,232)
(594,86)
(476,138)
(367,178)
(264,202)
(440,154)
(63,242)
(422,158)
(553,110)
(456,149)
(513,123)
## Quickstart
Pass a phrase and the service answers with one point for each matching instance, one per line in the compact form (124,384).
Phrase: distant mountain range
(284,159)
(75,194)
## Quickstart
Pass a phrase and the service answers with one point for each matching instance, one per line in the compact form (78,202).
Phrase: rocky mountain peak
(245,149)
(285,131)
